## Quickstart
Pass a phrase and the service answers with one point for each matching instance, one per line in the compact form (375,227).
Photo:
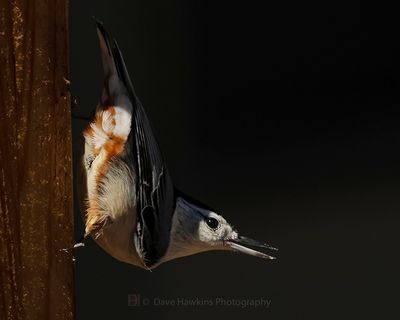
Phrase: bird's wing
(154,188)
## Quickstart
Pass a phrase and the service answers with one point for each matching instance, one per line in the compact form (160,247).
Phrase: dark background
(285,117)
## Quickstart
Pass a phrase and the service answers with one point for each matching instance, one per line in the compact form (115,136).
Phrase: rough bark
(36,220)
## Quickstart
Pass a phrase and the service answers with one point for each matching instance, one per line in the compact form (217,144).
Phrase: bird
(129,204)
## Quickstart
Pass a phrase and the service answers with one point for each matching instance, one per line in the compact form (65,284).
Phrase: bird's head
(197,228)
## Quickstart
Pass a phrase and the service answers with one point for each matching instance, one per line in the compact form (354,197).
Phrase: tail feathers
(114,65)
(106,50)
(121,69)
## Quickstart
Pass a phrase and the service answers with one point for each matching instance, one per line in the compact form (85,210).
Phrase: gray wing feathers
(155,192)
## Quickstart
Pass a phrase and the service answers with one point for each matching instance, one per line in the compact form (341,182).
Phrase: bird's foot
(78,244)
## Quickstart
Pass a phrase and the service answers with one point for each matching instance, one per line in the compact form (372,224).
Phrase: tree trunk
(36,219)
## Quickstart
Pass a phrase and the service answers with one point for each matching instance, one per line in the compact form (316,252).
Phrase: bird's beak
(243,245)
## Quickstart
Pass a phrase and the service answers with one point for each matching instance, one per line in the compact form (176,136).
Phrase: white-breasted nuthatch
(130,205)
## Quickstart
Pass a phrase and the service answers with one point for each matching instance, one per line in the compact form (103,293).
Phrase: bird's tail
(106,50)
(113,65)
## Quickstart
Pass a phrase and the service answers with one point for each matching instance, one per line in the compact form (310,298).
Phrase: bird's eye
(212,223)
